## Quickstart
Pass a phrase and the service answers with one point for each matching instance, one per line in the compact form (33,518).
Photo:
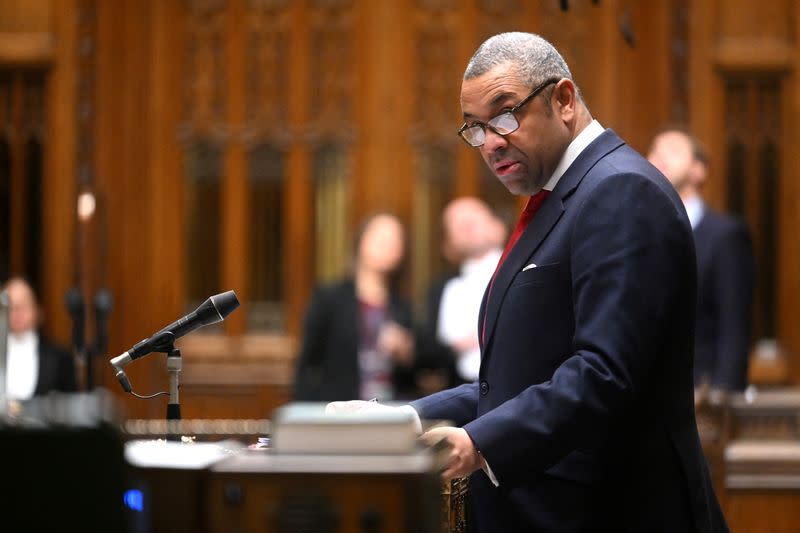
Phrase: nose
(494,141)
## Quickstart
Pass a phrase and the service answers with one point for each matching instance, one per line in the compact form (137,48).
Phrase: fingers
(433,436)
(450,473)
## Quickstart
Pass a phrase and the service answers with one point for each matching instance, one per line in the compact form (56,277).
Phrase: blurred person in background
(475,236)
(357,341)
(34,366)
(725,264)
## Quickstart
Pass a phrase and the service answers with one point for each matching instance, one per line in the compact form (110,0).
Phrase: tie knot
(533,205)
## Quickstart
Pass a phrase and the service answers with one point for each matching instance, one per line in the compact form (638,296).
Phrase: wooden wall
(130,81)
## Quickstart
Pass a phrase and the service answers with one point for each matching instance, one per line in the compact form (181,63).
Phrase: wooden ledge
(19,48)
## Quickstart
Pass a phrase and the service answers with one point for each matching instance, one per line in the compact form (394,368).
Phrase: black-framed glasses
(506,122)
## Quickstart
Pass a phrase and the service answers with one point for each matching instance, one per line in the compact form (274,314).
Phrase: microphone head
(225,303)
(74,301)
(103,302)
(216,308)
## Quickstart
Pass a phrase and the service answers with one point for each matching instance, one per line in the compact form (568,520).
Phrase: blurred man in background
(34,366)
(725,267)
(475,236)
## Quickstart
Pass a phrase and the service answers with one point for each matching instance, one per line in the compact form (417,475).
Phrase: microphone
(103,303)
(74,302)
(213,310)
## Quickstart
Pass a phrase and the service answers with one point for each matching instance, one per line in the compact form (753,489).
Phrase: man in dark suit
(725,270)
(582,418)
(34,366)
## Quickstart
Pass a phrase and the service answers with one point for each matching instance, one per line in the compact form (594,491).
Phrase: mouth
(505,167)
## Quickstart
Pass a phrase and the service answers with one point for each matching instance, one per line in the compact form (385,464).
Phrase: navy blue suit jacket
(724,301)
(584,408)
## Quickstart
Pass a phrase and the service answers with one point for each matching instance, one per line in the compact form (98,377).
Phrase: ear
(698,173)
(565,100)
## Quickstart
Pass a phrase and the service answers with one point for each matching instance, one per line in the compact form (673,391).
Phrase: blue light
(134,500)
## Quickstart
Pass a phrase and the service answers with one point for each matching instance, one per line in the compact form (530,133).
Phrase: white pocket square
(528,267)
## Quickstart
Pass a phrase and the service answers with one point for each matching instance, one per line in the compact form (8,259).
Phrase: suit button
(484,388)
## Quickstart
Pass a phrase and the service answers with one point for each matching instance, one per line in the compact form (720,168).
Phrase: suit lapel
(46,377)
(529,241)
(541,225)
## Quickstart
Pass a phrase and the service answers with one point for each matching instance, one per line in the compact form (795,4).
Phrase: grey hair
(533,56)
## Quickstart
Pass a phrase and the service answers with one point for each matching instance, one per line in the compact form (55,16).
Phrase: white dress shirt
(459,309)
(22,365)
(695,209)
(578,145)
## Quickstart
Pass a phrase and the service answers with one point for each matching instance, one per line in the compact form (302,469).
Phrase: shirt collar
(26,338)
(695,208)
(488,261)
(578,145)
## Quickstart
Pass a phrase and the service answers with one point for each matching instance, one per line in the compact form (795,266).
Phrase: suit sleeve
(631,255)
(733,288)
(315,331)
(459,404)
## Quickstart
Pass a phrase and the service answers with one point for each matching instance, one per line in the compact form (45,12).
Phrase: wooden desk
(763,486)
(771,415)
(263,491)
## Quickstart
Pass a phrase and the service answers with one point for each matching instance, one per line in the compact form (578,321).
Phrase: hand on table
(464,458)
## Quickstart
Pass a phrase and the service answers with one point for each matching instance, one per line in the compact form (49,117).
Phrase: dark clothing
(584,408)
(56,369)
(328,366)
(433,301)
(724,301)
(434,354)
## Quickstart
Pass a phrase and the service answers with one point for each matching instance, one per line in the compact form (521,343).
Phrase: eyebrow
(500,97)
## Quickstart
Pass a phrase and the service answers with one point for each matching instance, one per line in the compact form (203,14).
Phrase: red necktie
(533,205)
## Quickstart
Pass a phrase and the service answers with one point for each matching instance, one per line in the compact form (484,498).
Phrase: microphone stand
(4,327)
(164,342)
(174,363)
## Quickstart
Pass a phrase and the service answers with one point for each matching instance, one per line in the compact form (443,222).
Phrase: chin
(517,188)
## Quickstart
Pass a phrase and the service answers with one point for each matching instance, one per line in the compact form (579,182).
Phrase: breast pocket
(540,275)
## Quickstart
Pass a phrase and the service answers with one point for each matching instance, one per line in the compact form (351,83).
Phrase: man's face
(525,159)
(23,314)
(467,227)
(671,153)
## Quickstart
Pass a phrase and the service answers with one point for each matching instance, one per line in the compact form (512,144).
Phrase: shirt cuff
(488,471)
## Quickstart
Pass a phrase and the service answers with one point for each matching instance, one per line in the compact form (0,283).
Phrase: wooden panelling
(29,16)
(26,49)
(622,52)
(58,205)
(788,288)
(26,32)
(298,259)
(763,511)
(385,159)
(706,101)
(762,486)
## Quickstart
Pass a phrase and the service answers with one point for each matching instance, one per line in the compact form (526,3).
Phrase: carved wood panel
(303,112)
(753,139)
(432,132)
(331,131)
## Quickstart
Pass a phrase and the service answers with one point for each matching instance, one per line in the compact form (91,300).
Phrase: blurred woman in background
(357,341)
